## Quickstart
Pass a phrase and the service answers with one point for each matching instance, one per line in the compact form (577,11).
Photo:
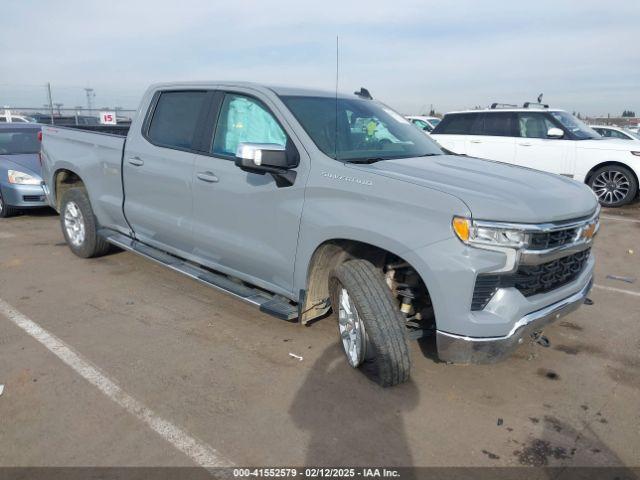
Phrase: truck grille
(530,279)
(558,238)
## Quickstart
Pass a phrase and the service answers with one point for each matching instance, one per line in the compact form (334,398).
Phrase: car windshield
(434,121)
(633,134)
(358,129)
(15,141)
(580,130)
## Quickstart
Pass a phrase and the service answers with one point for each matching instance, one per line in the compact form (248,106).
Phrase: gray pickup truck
(302,202)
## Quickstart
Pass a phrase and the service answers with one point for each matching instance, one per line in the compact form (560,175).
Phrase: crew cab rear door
(158,170)
(244,224)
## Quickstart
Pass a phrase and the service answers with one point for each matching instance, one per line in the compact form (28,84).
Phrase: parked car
(424,123)
(546,139)
(20,170)
(4,118)
(271,195)
(608,131)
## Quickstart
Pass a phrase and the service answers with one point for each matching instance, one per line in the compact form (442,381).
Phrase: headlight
(21,178)
(478,234)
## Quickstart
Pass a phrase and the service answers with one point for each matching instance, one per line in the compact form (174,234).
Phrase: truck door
(535,150)
(158,170)
(244,224)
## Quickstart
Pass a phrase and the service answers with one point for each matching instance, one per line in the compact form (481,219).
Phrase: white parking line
(612,217)
(201,453)
(617,290)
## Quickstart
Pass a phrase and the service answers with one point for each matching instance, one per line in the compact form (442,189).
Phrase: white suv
(546,139)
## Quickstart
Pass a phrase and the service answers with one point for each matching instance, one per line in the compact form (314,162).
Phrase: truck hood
(493,190)
(24,162)
(610,144)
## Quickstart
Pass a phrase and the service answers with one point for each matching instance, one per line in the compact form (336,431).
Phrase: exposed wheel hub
(351,329)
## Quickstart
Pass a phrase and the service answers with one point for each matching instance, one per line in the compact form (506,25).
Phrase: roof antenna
(337,72)
(540,98)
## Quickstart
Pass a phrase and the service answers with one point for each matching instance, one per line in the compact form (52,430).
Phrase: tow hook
(540,339)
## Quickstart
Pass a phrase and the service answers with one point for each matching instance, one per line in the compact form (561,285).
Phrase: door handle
(476,141)
(524,144)
(207,177)
(136,161)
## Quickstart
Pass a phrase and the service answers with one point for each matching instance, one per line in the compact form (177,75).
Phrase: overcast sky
(584,55)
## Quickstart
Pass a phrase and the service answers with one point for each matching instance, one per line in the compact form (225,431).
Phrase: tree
(628,113)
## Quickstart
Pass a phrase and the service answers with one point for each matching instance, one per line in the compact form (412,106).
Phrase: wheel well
(63,181)
(605,164)
(403,280)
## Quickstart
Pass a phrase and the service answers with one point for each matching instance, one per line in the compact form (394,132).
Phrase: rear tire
(358,286)
(614,185)
(6,210)
(79,225)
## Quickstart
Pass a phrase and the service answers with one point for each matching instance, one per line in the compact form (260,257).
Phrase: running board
(271,304)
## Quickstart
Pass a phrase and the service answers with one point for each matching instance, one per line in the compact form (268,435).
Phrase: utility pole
(90,95)
(58,106)
(50,101)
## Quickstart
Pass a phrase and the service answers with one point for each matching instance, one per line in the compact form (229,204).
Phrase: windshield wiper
(380,159)
(367,160)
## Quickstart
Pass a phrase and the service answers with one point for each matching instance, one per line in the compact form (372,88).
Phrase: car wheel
(614,185)
(79,225)
(6,210)
(370,324)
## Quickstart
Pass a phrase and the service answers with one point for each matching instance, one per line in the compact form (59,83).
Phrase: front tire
(614,185)
(6,210)
(79,225)
(370,324)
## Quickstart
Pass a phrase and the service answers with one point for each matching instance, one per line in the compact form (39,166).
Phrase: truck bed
(96,157)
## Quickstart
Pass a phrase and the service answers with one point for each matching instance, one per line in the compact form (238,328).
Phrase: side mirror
(264,158)
(257,155)
(555,133)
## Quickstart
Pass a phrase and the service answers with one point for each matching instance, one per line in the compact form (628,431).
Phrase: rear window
(175,119)
(19,140)
(456,124)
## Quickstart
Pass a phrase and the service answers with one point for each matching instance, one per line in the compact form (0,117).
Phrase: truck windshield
(19,140)
(575,126)
(358,129)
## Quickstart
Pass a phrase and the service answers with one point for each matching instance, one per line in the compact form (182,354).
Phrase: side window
(175,119)
(617,134)
(498,124)
(457,124)
(245,120)
(534,125)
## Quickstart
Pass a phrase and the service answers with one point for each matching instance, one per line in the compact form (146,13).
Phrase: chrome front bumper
(461,349)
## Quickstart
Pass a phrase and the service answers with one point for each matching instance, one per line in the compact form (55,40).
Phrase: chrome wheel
(74,224)
(611,186)
(351,328)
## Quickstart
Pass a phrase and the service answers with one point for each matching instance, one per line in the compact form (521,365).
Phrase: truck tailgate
(94,157)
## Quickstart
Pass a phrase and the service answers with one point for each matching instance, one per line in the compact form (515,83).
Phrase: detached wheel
(370,324)
(614,185)
(79,225)
(6,210)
